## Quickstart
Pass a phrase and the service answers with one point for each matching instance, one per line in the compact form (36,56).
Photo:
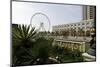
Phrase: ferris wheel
(40,21)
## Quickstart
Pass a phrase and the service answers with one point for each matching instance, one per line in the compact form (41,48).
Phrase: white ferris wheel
(40,21)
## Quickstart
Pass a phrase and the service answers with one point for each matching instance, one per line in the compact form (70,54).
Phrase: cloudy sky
(57,13)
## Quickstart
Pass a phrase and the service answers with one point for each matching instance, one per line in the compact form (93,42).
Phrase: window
(87,23)
(82,23)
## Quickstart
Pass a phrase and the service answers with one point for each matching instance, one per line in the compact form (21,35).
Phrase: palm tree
(63,32)
(23,37)
(27,49)
(73,32)
(80,31)
(57,33)
(87,33)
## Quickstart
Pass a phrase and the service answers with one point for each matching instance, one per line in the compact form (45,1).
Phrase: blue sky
(57,13)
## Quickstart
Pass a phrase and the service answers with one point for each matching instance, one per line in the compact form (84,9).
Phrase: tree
(63,32)
(23,37)
(42,50)
(57,33)
(87,33)
(27,49)
(81,32)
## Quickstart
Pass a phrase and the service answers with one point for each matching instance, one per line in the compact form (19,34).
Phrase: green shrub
(67,55)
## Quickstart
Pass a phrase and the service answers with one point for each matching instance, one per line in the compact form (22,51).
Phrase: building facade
(85,25)
(89,12)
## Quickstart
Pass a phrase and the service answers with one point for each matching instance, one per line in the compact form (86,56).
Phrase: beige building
(89,12)
(86,24)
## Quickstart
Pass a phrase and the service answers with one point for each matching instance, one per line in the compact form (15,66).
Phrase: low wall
(81,46)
